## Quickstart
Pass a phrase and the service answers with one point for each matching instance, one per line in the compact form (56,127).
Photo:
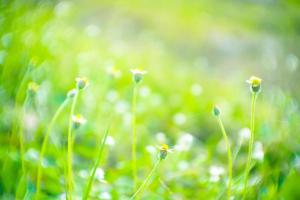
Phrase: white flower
(184,142)
(255,84)
(258,152)
(138,71)
(254,81)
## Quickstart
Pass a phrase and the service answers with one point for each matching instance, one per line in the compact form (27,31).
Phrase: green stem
(229,157)
(21,136)
(44,145)
(70,146)
(91,179)
(251,142)
(141,188)
(133,112)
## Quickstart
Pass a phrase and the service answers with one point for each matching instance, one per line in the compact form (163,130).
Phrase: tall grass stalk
(229,155)
(44,145)
(18,102)
(21,136)
(251,142)
(133,124)
(91,178)
(70,147)
(22,183)
(144,184)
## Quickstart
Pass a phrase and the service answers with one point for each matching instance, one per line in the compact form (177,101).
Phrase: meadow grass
(197,54)
(97,163)
(44,145)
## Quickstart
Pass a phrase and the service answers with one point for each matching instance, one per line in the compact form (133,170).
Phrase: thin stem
(141,188)
(44,145)
(70,146)
(91,179)
(251,142)
(133,123)
(229,158)
(21,137)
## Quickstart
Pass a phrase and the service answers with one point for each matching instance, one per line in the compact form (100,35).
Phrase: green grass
(196,53)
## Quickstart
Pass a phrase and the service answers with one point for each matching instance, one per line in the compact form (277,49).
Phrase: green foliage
(197,54)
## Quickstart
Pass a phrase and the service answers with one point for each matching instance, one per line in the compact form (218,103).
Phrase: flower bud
(71,93)
(163,151)
(255,84)
(216,111)
(77,121)
(138,75)
(81,83)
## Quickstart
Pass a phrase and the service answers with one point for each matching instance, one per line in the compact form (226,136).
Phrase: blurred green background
(197,54)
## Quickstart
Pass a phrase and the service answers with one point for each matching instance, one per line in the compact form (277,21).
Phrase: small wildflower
(216,111)
(255,84)
(78,120)
(33,87)
(81,83)
(164,149)
(138,75)
(71,93)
